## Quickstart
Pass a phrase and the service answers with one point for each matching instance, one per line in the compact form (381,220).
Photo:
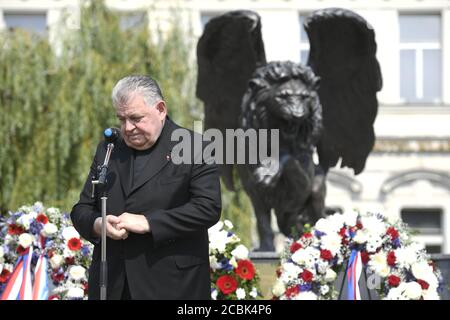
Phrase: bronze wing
(342,54)
(228,52)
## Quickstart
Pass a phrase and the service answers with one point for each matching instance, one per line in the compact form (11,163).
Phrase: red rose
(42,218)
(423,284)
(326,255)
(391,258)
(14,229)
(21,250)
(291,291)
(359,225)
(74,244)
(70,261)
(53,297)
(392,232)
(342,232)
(394,281)
(306,276)
(307,235)
(245,269)
(295,246)
(85,287)
(227,284)
(365,257)
(4,276)
(57,277)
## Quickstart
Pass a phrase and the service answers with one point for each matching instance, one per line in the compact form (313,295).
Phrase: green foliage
(55,102)
(237,207)
(55,105)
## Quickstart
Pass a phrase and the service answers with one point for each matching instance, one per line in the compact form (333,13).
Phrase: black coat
(180,202)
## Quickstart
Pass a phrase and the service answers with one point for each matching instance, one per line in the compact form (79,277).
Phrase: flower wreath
(233,275)
(51,237)
(309,266)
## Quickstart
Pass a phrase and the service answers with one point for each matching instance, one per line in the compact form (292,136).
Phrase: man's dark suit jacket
(180,202)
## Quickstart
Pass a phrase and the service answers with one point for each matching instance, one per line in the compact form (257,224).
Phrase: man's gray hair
(145,85)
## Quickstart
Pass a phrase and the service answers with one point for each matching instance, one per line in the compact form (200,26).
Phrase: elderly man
(158,213)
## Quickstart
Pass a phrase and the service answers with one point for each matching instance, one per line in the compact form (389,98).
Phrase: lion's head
(283,95)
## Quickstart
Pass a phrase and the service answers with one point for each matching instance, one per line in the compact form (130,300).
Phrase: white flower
(8,239)
(25,240)
(52,211)
(307,256)
(2,252)
(49,229)
(216,228)
(360,237)
(240,293)
(378,263)
(279,288)
(324,289)
(332,242)
(69,233)
(56,260)
(307,295)
(330,276)
(322,266)
(26,219)
(413,290)
(218,240)
(290,271)
(77,273)
(350,218)
(373,243)
(75,293)
(213,263)
(430,294)
(214,294)
(328,226)
(228,224)
(254,292)
(373,225)
(68,253)
(38,207)
(395,294)
(423,271)
(406,256)
(240,252)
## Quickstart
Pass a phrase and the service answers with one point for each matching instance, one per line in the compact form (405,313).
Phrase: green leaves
(55,99)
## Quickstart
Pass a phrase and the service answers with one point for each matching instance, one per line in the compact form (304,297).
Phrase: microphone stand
(101,183)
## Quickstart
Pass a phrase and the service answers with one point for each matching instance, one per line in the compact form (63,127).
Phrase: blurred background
(59,60)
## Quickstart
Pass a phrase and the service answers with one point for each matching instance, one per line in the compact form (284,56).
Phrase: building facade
(408,172)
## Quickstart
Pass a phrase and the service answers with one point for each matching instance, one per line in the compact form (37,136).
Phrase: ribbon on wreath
(354,271)
(19,284)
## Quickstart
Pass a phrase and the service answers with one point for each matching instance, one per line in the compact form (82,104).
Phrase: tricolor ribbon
(19,284)
(354,270)
(40,287)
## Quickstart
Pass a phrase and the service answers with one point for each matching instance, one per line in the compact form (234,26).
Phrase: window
(420,58)
(304,41)
(428,225)
(132,20)
(32,22)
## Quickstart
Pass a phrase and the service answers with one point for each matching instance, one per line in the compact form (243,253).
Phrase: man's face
(141,124)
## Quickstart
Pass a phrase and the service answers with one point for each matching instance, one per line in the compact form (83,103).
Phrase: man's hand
(136,223)
(112,229)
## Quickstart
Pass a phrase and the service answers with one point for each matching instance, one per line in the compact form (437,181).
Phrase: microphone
(111,135)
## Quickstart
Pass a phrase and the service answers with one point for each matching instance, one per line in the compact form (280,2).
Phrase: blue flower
(85,250)
(36,227)
(319,233)
(305,287)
